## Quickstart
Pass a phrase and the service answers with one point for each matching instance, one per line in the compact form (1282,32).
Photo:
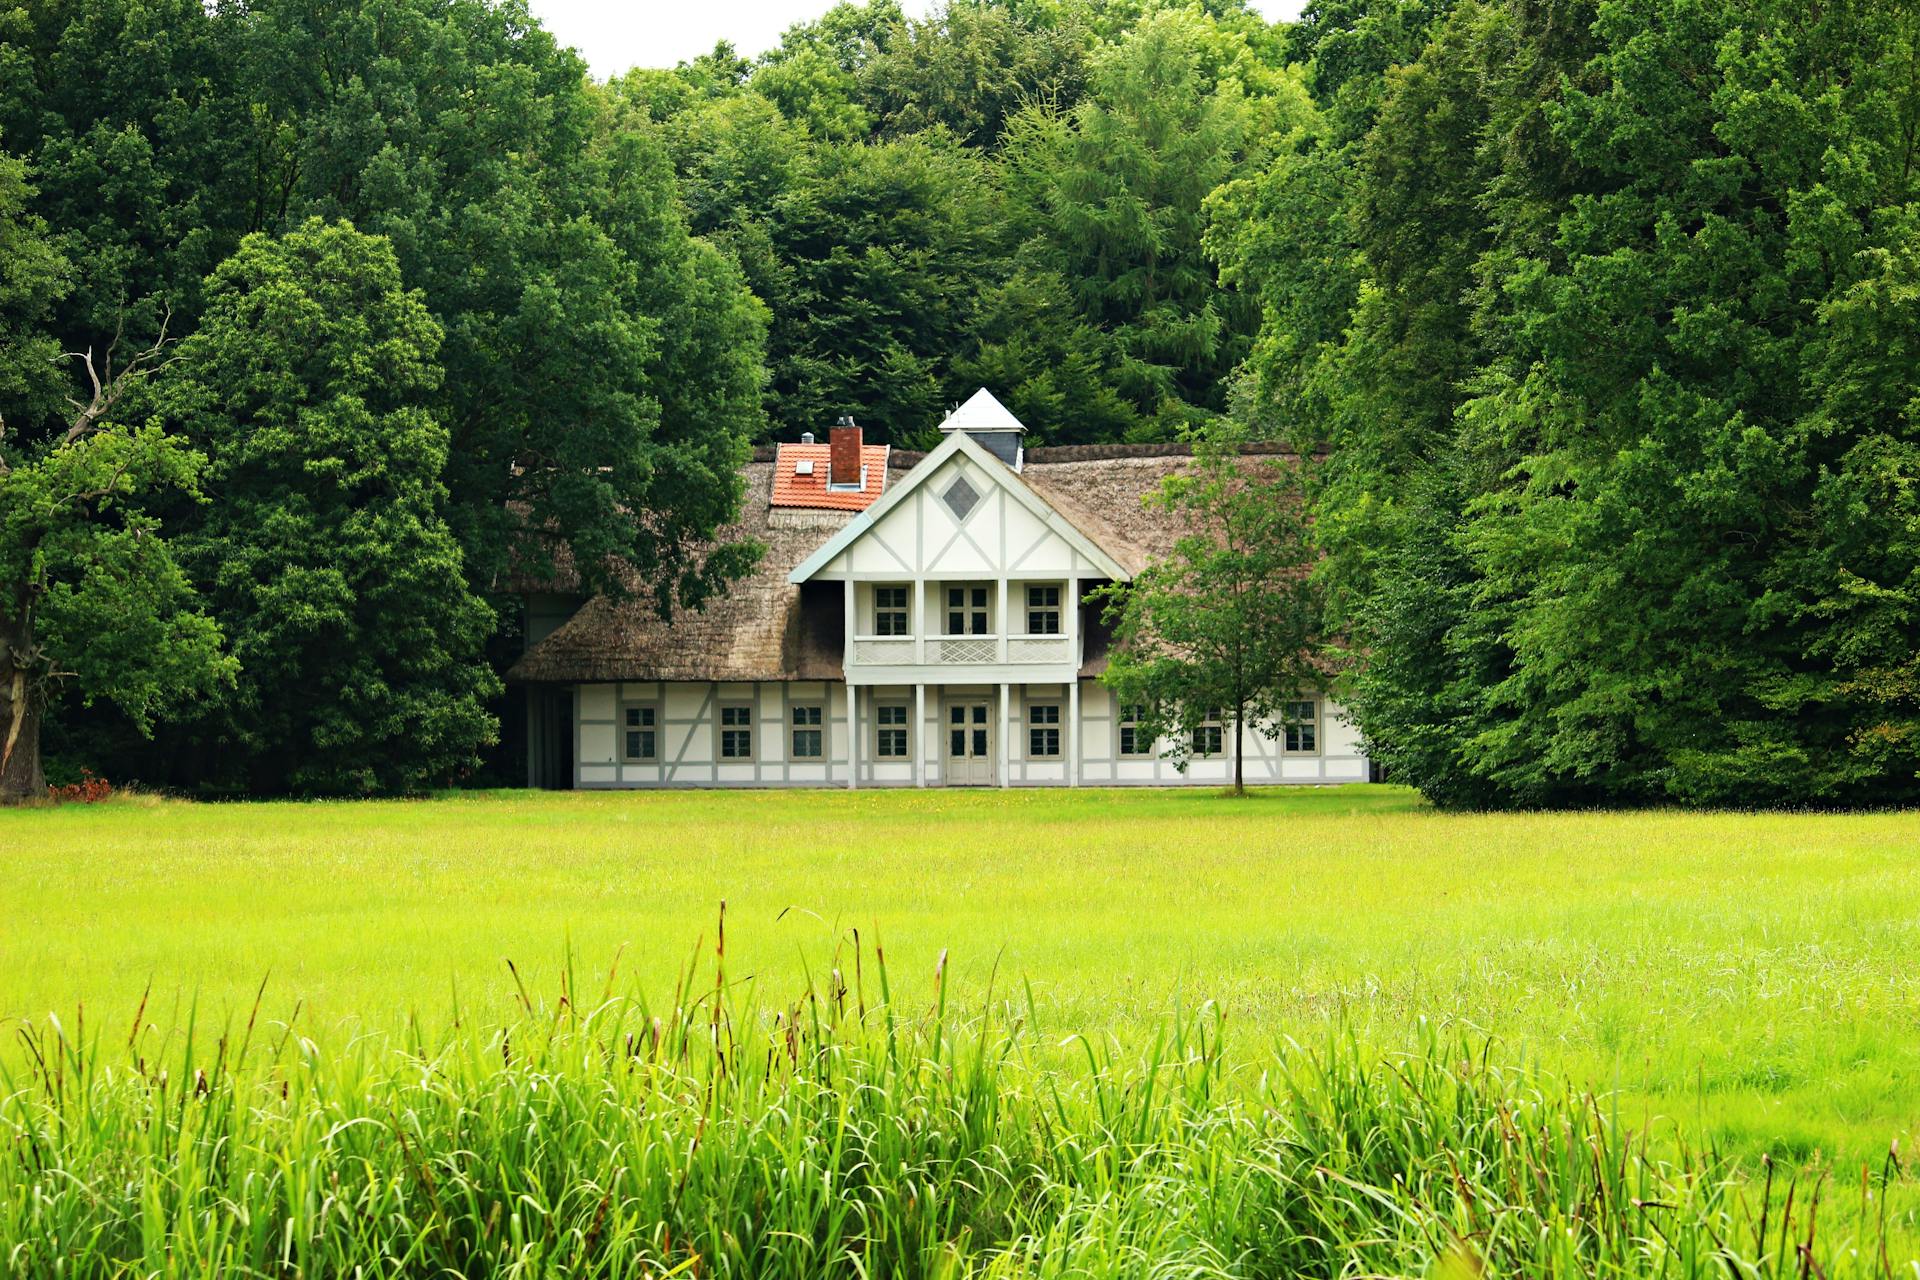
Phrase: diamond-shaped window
(961,498)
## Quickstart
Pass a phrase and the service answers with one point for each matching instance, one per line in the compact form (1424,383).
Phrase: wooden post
(1005,622)
(918,742)
(919,622)
(853,737)
(1073,728)
(1006,721)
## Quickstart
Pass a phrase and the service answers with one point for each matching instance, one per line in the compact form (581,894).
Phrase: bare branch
(108,384)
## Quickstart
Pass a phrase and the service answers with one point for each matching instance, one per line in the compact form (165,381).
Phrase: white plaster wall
(689,736)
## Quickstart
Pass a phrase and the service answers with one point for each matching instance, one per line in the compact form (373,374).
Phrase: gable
(1008,530)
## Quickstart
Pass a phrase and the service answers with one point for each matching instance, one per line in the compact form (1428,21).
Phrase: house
(917,620)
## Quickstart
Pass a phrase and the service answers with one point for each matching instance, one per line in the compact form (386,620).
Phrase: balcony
(962,651)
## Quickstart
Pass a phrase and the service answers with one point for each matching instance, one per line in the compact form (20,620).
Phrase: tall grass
(840,1134)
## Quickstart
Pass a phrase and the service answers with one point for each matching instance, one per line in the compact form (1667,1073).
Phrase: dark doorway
(550,737)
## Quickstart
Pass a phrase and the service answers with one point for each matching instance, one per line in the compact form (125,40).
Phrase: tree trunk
(1239,750)
(20,774)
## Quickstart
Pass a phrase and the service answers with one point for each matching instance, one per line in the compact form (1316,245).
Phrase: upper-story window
(967,613)
(1043,610)
(890,611)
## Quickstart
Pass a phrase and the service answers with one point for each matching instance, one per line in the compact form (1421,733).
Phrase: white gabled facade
(963,643)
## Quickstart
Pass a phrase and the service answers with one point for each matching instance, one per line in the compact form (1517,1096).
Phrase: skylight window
(804,467)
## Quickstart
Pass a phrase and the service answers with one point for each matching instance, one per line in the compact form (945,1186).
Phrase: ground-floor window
(1300,727)
(1132,741)
(736,732)
(1207,735)
(808,743)
(640,732)
(1043,730)
(890,731)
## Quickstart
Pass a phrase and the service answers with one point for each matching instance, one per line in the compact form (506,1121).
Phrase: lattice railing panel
(884,653)
(970,651)
(1038,649)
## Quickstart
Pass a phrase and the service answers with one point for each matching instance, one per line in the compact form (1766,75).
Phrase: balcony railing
(967,651)
(883,651)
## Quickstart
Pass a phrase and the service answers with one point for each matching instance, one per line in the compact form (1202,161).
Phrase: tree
(1109,197)
(92,602)
(1230,621)
(310,384)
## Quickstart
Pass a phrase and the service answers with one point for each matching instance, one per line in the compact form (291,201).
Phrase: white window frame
(1216,722)
(904,609)
(796,728)
(1057,608)
(1124,722)
(904,729)
(1289,722)
(1057,725)
(967,609)
(721,729)
(656,729)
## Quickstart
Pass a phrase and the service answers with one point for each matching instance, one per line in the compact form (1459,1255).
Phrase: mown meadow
(1312,1032)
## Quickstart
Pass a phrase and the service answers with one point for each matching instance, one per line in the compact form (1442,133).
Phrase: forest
(1595,323)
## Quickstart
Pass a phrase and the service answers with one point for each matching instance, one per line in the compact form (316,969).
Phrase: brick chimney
(843,455)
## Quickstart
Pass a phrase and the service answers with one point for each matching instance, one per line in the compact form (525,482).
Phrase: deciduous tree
(1229,623)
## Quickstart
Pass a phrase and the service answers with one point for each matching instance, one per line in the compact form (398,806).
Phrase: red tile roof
(791,489)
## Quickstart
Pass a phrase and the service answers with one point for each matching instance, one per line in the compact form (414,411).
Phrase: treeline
(1607,317)
(1009,194)
(1599,317)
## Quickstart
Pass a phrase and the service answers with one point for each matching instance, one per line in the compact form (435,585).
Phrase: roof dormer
(991,425)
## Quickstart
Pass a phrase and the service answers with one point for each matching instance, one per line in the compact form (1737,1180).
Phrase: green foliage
(1608,361)
(845,1134)
(92,603)
(1226,626)
(309,386)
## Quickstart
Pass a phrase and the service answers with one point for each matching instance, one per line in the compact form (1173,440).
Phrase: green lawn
(1756,978)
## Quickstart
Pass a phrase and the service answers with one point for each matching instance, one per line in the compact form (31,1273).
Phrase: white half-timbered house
(918,620)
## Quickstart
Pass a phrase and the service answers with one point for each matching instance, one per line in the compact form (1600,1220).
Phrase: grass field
(1752,980)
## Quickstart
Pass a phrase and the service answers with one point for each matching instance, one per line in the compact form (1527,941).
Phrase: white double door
(969,743)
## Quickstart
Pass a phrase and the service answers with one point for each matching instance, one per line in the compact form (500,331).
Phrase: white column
(919,621)
(1006,623)
(1073,728)
(1070,605)
(1006,718)
(918,742)
(853,737)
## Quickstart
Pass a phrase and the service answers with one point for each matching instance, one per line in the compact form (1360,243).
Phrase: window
(966,611)
(1132,741)
(890,611)
(890,731)
(807,741)
(961,498)
(1206,735)
(1043,611)
(736,732)
(1300,727)
(1043,730)
(640,728)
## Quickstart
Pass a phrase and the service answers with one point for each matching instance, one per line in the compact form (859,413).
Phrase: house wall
(1000,537)
(687,716)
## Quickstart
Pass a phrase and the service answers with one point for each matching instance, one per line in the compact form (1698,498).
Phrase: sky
(614,35)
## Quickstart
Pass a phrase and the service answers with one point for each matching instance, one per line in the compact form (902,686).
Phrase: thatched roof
(758,630)
(753,631)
